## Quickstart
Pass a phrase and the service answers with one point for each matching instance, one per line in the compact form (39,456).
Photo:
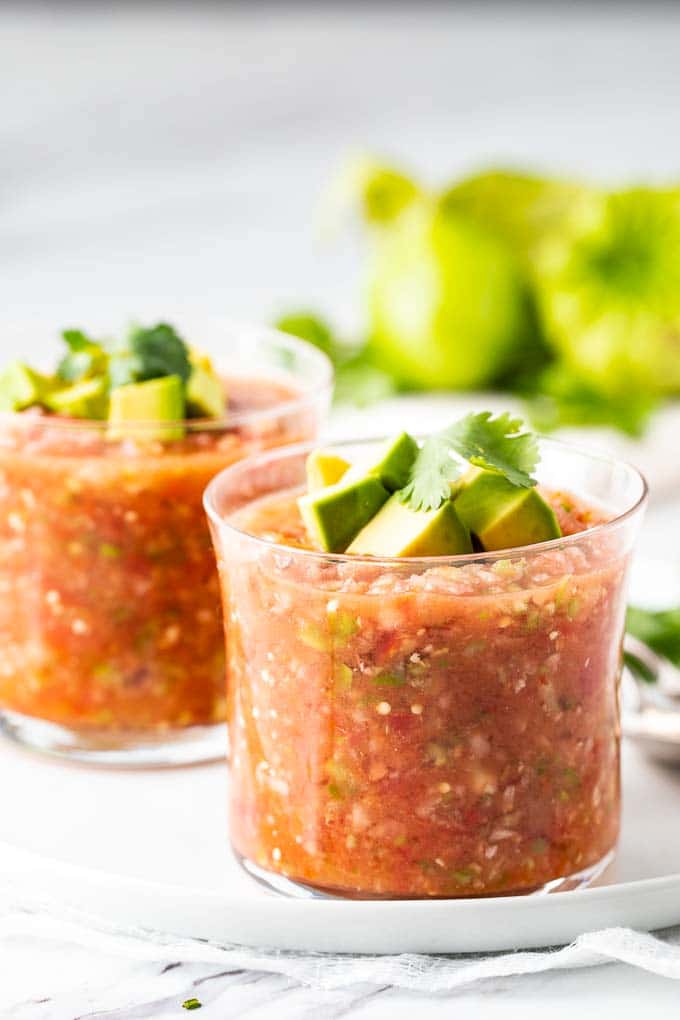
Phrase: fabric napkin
(168,969)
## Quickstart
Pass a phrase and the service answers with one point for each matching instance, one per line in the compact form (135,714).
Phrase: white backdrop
(161,153)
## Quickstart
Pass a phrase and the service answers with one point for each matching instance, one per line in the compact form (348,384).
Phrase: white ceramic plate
(150,849)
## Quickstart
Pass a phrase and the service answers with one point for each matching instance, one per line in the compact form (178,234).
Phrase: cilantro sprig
(149,353)
(146,353)
(432,473)
(659,629)
(86,357)
(496,443)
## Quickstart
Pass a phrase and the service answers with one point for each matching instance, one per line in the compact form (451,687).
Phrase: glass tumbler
(110,621)
(413,728)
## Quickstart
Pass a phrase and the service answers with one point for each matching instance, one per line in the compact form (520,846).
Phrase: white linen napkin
(167,969)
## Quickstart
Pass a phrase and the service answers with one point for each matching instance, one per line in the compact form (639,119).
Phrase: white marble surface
(152,156)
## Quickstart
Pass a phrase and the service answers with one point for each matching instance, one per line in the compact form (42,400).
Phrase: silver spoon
(651,709)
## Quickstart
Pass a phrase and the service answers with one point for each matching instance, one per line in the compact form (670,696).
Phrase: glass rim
(309,393)
(460,559)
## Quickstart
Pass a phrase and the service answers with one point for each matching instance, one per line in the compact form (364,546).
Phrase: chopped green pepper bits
(342,625)
(573,606)
(342,676)
(110,551)
(389,680)
(313,637)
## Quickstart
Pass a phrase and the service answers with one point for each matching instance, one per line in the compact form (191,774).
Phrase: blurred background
(167,151)
(446,196)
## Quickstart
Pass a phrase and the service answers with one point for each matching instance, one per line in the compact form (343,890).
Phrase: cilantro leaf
(74,367)
(77,341)
(432,473)
(659,629)
(639,668)
(159,352)
(150,354)
(496,444)
(85,358)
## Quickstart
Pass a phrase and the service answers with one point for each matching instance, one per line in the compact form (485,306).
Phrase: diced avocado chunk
(205,396)
(392,463)
(86,399)
(201,359)
(396,460)
(502,515)
(324,468)
(396,530)
(335,514)
(22,387)
(140,410)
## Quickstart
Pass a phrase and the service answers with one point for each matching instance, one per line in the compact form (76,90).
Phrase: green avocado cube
(396,530)
(86,399)
(335,514)
(502,515)
(324,468)
(392,463)
(206,395)
(22,387)
(148,410)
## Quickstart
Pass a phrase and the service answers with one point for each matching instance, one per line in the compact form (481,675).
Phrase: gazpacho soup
(424,658)
(109,601)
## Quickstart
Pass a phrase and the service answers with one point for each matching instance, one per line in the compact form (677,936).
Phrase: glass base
(289,887)
(191,745)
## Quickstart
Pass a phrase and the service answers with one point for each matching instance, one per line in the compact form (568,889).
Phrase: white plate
(150,849)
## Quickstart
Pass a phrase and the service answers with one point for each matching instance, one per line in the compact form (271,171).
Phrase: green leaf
(659,629)
(74,367)
(191,1004)
(77,341)
(639,668)
(86,357)
(431,475)
(151,353)
(498,444)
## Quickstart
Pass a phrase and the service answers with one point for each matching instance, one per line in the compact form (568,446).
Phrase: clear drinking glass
(424,727)
(110,621)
